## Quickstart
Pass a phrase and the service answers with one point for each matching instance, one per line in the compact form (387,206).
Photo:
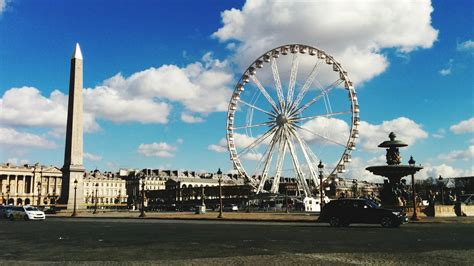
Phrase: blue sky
(158,77)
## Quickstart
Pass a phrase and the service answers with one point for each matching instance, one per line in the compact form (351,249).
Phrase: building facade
(30,184)
(104,190)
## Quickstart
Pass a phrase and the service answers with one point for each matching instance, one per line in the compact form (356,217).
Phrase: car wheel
(345,223)
(26,217)
(334,221)
(386,222)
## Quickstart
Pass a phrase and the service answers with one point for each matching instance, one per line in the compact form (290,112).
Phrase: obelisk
(73,168)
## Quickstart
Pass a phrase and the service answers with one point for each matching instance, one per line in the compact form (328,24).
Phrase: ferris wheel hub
(281,120)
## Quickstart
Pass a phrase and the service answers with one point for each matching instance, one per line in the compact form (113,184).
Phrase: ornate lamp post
(39,193)
(8,194)
(412,162)
(142,209)
(74,213)
(321,191)
(441,188)
(219,178)
(96,197)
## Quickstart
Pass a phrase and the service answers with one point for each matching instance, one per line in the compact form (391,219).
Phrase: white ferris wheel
(292,107)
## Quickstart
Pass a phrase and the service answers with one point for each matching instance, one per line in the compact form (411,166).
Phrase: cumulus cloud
(465,126)
(443,170)
(356,41)
(252,156)
(466,46)
(155,149)
(335,129)
(465,155)
(92,157)
(26,107)
(406,130)
(3,5)
(240,140)
(217,148)
(447,70)
(13,138)
(188,118)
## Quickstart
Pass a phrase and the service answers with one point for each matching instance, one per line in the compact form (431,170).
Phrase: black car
(343,212)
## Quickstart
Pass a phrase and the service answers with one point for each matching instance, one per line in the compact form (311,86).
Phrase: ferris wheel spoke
(279,164)
(306,155)
(316,116)
(291,84)
(306,85)
(263,91)
(320,136)
(255,125)
(268,160)
(296,165)
(276,79)
(256,108)
(257,141)
(315,99)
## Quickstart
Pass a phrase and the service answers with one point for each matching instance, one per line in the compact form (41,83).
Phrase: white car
(26,213)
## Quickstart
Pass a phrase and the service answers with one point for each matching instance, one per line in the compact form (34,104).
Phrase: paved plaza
(203,242)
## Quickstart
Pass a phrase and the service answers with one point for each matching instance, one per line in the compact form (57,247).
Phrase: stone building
(107,189)
(29,184)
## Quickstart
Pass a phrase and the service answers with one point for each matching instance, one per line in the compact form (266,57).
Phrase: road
(221,242)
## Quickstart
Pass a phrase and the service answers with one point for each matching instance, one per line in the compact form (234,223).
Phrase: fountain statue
(394,191)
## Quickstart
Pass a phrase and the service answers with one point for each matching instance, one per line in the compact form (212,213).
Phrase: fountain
(394,188)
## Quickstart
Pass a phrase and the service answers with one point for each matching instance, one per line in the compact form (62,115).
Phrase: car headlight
(396,213)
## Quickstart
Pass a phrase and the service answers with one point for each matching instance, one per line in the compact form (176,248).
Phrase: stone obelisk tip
(77,54)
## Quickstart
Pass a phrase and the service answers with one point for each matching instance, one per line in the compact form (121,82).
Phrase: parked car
(467,199)
(231,208)
(343,212)
(4,210)
(26,213)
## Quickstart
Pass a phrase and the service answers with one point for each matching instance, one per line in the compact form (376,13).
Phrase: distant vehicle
(467,199)
(231,208)
(343,212)
(4,210)
(26,213)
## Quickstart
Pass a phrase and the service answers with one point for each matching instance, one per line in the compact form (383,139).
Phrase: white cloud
(188,118)
(440,133)
(444,170)
(332,128)
(92,157)
(465,155)
(11,137)
(16,161)
(252,156)
(26,106)
(406,130)
(356,40)
(154,149)
(217,148)
(466,46)
(3,5)
(447,70)
(465,126)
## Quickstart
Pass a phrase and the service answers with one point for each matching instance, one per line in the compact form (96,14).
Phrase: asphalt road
(64,240)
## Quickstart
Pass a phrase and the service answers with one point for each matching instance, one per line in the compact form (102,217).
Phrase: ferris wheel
(292,107)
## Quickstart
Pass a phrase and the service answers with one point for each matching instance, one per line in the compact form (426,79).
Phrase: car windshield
(371,204)
(29,208)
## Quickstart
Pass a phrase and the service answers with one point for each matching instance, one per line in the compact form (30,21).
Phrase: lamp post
(142,209)
(355,187)
(8,194)
(96,197)
(219,178)
(441,185)
(74,213)
(414,217)
(39,193)
(321,191)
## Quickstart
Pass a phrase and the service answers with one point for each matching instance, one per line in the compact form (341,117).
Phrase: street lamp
(74,213)
(142,209)
(8,194)
(219,178)
(412,162)
(96,197)
(320,168)
(39,193)
(355,187)
(441,185)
